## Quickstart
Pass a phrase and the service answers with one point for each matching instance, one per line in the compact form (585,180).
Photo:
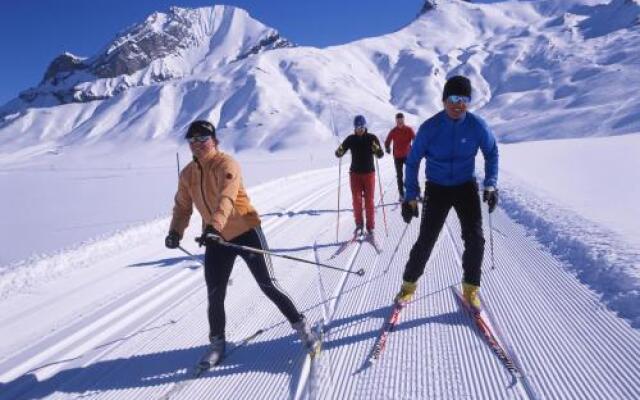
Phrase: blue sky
(33,32)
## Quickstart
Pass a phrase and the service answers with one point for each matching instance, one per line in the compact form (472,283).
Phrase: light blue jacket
(450,147)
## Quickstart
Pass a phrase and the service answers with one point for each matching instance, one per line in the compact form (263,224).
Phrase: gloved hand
(409,210)
(339,151)
(210,235)
(490,196)
(387,149)
(172,241)
(377,150)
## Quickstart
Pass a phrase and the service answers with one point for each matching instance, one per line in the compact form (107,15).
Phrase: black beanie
(201,128)
(456,85)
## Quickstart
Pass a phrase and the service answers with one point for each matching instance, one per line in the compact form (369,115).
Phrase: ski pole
(339,190)
(393,255)
(191,256)
(493,260)
(384,213)
(333,129)
(219,240)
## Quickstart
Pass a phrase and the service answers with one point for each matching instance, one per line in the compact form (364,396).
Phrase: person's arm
(342,149)
(377,149)
(183,207)
(387,142)
(412,165)
(229,180)
(489,148)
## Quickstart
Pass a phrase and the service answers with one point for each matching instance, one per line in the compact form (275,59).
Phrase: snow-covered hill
(541,69)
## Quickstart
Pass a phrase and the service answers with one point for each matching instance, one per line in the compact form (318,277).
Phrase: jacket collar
(454,121)
(207,157)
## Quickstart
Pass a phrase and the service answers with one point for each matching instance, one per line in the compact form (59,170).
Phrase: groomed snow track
(146,335)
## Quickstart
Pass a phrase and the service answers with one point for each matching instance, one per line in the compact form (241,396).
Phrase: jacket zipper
(453,152)
(204,198)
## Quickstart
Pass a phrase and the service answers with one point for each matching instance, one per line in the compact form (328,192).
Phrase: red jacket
(401,138)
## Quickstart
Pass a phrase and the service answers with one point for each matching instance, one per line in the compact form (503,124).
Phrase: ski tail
(389,326)
(490,336)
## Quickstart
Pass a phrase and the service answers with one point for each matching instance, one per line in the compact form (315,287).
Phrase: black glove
(339,152)
(210,235)
(172,241)
(491,198)
(388,149)
(377,150)
(409,210)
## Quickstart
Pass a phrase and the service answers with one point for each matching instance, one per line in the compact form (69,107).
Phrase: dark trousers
(438,201)
(219,259)
(399,163)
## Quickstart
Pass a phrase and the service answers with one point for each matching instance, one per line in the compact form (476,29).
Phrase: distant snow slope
(541,69)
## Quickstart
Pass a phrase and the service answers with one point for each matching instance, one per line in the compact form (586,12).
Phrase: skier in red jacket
(401,135)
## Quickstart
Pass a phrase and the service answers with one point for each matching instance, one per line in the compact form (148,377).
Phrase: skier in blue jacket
(450,141)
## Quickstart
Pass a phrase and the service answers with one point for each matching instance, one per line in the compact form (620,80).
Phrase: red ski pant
(363,185)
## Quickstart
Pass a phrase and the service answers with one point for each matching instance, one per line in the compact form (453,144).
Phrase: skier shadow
(280,355)
(382,313)
(310,247)
(311,212)
(165,262)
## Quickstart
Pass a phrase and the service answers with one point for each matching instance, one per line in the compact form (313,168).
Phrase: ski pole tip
(360,272)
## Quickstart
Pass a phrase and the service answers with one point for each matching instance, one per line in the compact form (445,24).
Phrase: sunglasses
(455,99)
(198,139)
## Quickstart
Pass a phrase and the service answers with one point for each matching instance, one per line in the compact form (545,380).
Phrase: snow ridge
(601,260)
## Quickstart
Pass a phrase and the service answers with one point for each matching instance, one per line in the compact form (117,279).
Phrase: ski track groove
(555,326)
(269,225)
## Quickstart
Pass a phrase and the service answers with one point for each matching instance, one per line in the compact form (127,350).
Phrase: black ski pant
(219,260)
(438,200)
(399,163)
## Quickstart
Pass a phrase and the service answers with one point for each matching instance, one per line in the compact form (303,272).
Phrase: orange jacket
(214,185)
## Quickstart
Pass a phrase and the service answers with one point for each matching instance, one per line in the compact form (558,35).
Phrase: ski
(388,327)
(370,238)
(201,367)
(344,245)
(482,323)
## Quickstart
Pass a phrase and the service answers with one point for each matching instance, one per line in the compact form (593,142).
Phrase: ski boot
(214,354)
(406,292)
(359,231)
(310,340)
(471,294)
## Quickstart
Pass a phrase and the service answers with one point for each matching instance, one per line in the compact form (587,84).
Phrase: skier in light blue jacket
(450,141)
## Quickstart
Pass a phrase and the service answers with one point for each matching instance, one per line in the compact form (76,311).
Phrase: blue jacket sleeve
(489,147)
(412,165)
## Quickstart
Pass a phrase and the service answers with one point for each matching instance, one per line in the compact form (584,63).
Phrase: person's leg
(399,163)
(218,261)
(262,270)
(369,202)
(467,206)
(356,198)
(434,213)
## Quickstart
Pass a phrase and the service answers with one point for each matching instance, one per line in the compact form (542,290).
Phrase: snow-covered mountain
(541,69)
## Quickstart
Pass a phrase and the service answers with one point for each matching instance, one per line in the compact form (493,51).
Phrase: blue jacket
(450,147)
